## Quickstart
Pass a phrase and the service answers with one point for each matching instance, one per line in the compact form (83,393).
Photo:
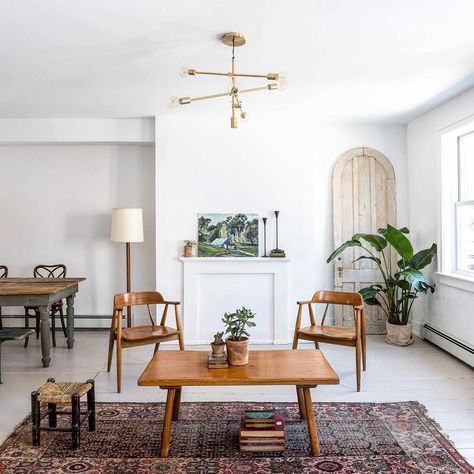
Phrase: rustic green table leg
(45,335)
(70,321)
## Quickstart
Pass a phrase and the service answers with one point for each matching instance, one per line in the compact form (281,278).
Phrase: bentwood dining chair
(141,335)
(47,271)
(3,274)
(341,335)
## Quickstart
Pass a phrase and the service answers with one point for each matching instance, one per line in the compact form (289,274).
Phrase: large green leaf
(365,257)
(378,242)
(415,278)
(403,230)
(369,295)
(399,242)
(423,258)
(344,246)
(404,284)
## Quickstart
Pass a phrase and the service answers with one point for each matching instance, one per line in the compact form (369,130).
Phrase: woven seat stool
(63,393)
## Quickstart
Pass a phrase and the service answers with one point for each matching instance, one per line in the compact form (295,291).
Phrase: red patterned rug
(355,438)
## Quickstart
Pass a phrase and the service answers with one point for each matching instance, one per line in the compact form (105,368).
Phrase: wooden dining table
(42,292)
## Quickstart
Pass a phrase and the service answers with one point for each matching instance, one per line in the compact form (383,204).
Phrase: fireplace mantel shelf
(235,259)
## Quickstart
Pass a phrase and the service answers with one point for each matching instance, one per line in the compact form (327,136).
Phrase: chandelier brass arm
(231,39)
(271,87)
(271,76)
(187,100)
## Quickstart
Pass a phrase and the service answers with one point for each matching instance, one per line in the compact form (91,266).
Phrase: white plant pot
(399,335)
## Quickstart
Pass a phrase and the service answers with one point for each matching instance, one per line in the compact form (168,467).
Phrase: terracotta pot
(218,349)
(399,335)
(188,251)
(237,352)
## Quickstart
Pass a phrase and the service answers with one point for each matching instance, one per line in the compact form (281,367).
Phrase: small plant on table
(218,344)
(237,343)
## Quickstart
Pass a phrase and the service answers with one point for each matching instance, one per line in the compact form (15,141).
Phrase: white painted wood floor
(420,372)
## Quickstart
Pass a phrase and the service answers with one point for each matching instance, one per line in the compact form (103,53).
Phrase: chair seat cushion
(144,333)
(61,392)
(329,332)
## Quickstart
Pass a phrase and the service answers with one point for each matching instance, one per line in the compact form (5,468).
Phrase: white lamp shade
(127,225)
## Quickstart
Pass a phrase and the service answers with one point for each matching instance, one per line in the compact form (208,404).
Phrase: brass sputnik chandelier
(278,81)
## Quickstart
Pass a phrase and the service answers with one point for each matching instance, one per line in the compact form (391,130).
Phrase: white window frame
(447,197)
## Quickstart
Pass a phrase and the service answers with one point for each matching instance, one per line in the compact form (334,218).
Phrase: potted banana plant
(402,283)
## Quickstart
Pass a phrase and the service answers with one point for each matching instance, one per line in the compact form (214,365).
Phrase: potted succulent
(218,345)
(189,248)
(238,341)
(402,283)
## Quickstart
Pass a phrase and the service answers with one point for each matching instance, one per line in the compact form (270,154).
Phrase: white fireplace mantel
(214,285)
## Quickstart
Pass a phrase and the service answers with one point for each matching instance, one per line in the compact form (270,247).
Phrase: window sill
(457,280)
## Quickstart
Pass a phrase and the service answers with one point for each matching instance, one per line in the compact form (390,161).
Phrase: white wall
(449,309)
(55,206)
(281,162)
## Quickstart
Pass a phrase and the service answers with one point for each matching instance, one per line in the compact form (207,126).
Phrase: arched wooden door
(364,200)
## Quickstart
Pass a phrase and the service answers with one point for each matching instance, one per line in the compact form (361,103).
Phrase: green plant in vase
(236,325)
(402,283)
(218,344)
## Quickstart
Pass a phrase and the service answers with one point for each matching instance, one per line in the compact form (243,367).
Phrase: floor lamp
(127,226)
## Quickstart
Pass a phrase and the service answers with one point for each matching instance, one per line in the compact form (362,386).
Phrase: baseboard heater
(457,348)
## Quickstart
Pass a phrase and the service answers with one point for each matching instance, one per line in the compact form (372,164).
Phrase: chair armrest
(304,302)
(172,302)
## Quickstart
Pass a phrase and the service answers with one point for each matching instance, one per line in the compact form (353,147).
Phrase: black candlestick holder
(277,252)
(264,219)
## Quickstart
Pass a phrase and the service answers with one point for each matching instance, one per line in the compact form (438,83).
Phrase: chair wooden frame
(47,271)
(340,335)
(3,274)
(141,335)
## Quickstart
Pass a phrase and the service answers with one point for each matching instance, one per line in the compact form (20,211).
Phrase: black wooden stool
(53,393)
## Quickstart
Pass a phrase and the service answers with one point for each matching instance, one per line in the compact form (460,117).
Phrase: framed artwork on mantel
(228,235)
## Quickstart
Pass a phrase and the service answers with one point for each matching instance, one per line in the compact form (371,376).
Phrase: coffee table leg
(312,429)
(177,404)
(300,395)
(166,435)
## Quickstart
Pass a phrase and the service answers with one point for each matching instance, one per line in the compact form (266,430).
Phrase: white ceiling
(351,60)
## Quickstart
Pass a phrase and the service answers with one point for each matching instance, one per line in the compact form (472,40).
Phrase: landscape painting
(227,235)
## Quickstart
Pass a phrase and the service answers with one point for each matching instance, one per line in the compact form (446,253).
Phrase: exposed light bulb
(244,116)
(282,82)
(173,102)
(184,72)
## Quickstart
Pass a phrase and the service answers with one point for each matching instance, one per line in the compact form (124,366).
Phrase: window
(457,201)
(465,205)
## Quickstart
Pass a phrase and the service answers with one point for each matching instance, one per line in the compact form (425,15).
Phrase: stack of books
(261,430)
(217,362)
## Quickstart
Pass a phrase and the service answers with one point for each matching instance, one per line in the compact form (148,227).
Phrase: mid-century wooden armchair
(141,335)
(47,271)
(3,274)
(341,335)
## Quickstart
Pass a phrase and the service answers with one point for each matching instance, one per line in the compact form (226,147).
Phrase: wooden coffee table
(172,370)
